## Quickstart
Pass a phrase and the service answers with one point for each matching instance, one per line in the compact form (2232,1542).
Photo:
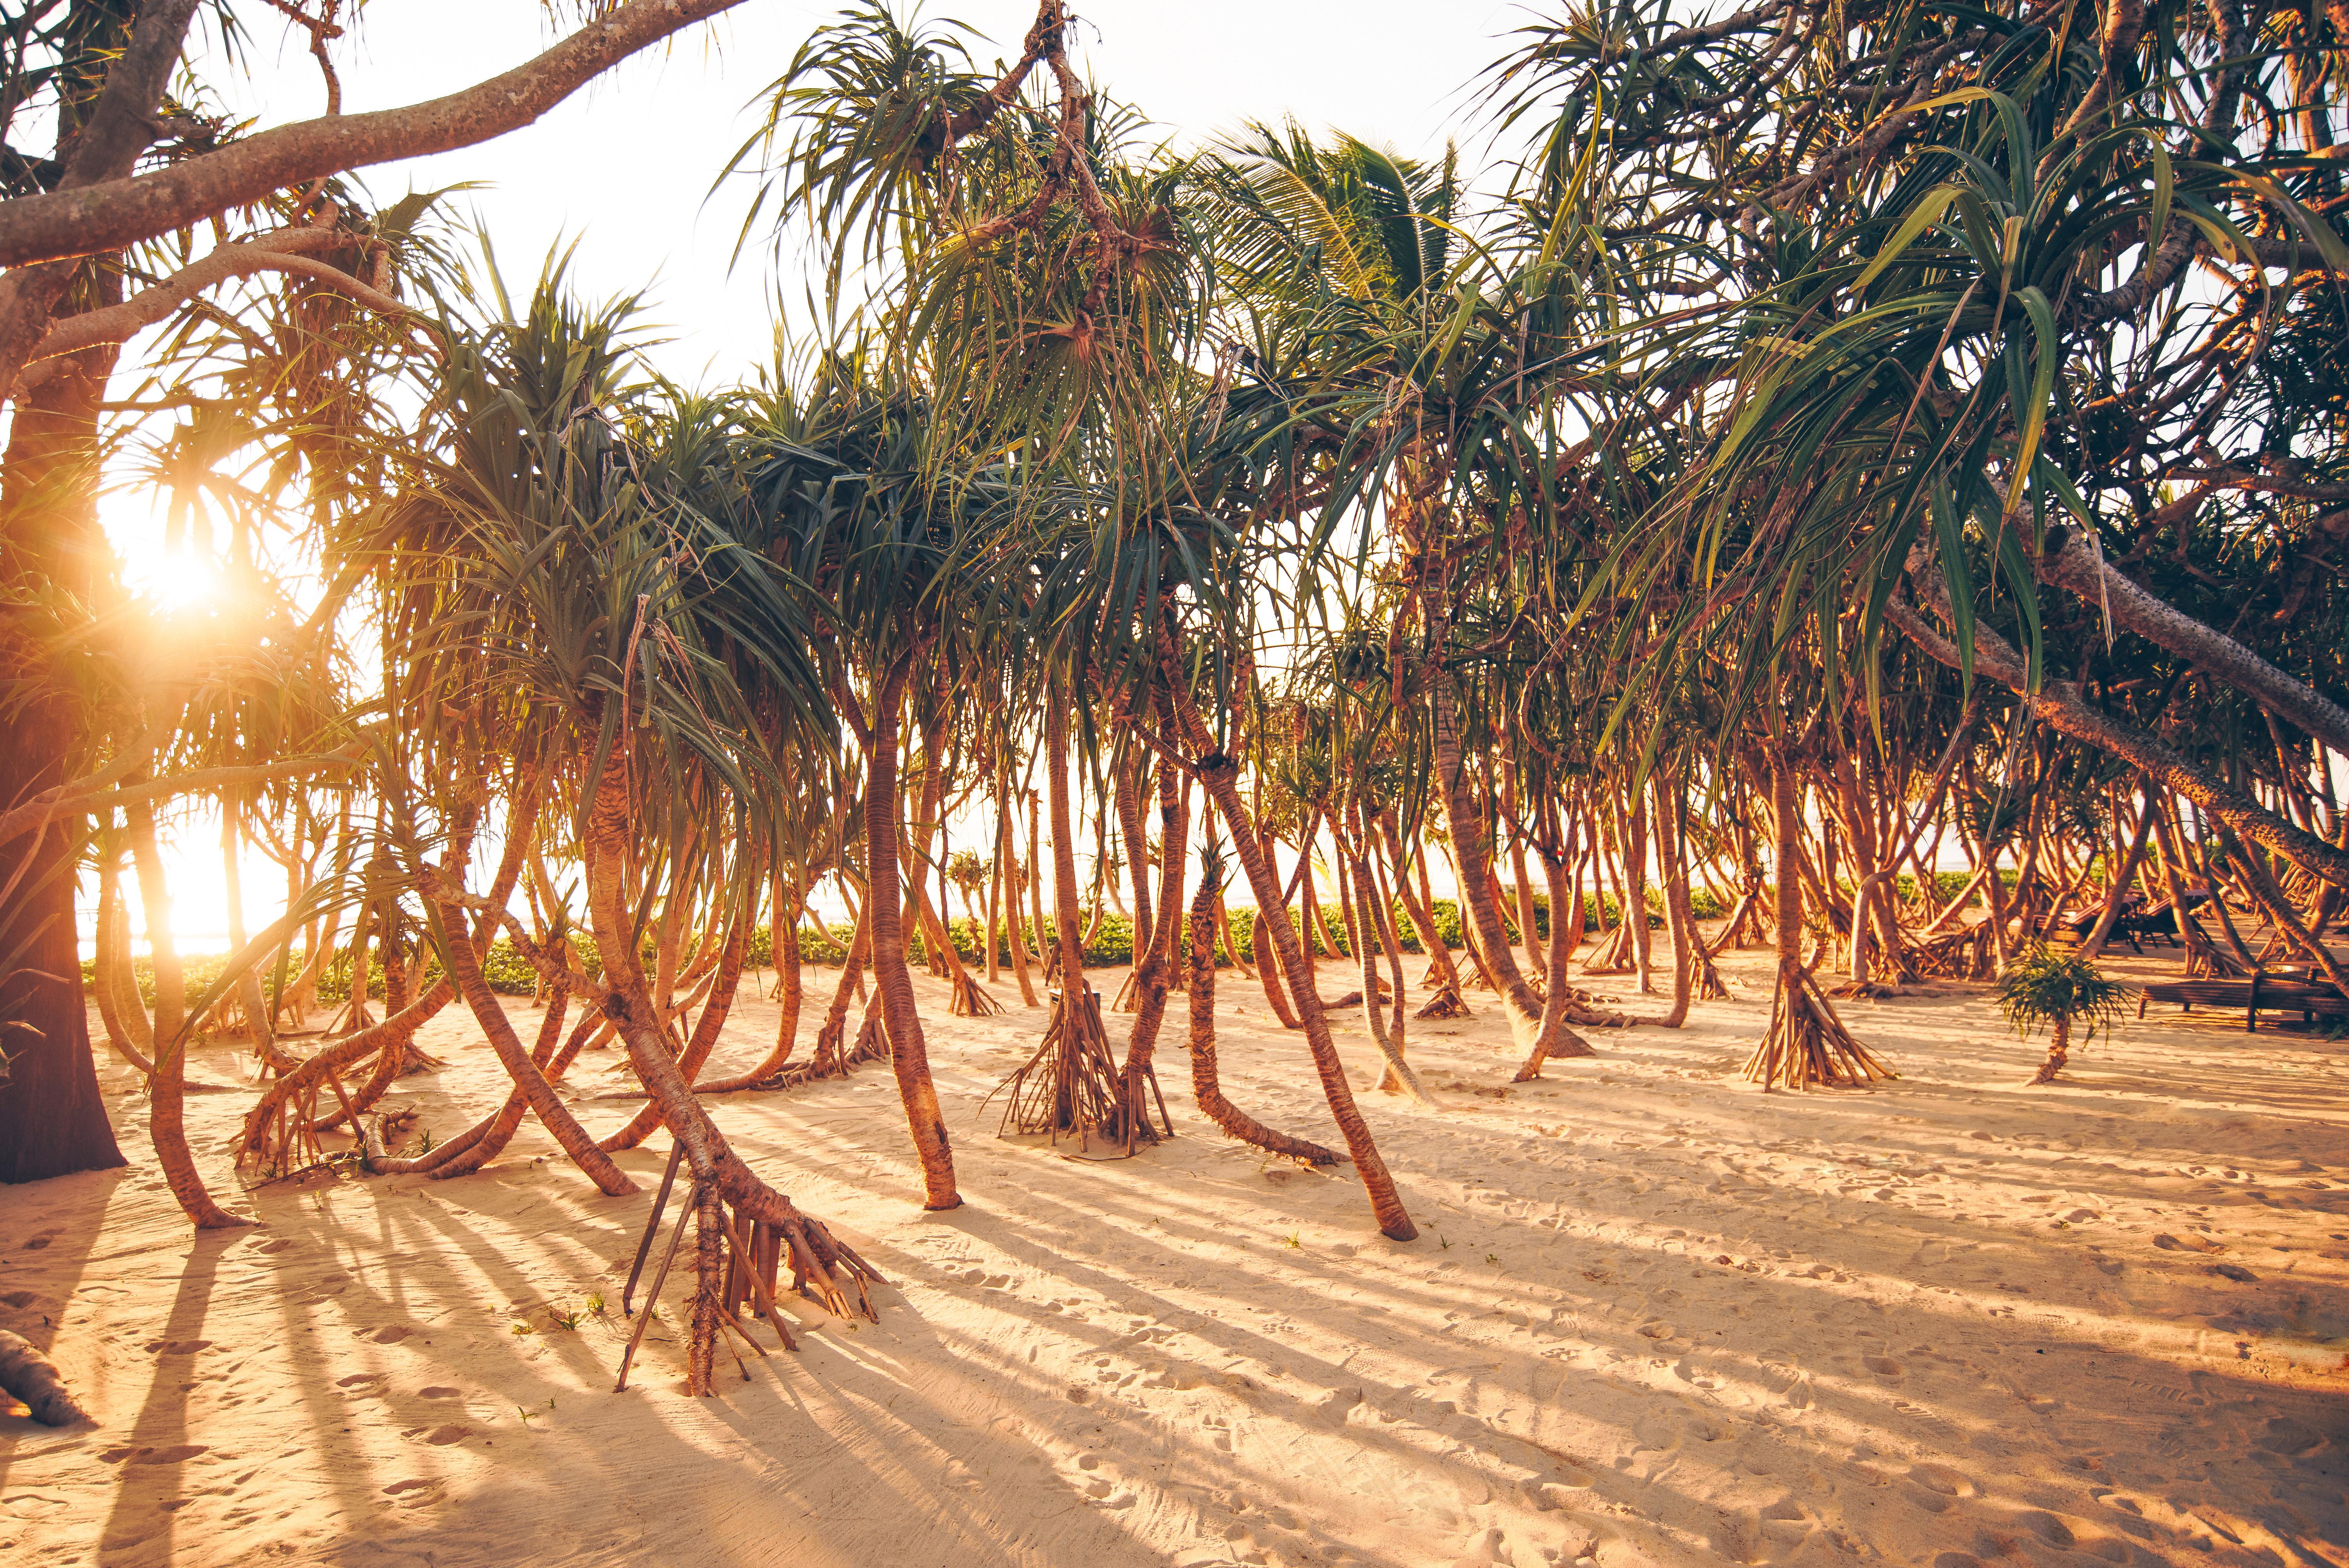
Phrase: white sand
(1654,1316)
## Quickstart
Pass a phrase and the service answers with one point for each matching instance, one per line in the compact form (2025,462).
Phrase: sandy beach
(1654,1316)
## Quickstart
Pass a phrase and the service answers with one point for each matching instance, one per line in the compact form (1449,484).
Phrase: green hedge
(1112,944)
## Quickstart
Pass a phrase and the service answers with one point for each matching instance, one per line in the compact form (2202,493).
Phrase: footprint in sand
(442,1437)
(439,1391)
(402,1487)
(364,1382)
(176,1346)
(282,1244)
(18,1298)
(390,1334)
(1884,1365)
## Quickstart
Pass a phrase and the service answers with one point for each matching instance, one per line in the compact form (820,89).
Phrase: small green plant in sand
(2059,991)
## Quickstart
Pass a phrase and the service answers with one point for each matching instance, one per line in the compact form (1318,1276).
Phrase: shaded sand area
(1655,1316)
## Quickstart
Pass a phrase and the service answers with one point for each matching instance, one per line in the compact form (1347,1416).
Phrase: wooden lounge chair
(2276,993)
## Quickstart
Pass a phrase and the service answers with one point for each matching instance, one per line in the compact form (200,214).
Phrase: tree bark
(2058,703)
(2076,564)
(120,212)
(1206,1088)
(908,1052)
(1467,823)
(1220,775)
(166,1125)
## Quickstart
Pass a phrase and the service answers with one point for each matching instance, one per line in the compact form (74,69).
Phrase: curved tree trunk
(1220,774)
(1466,820)
(1206,1086)
(488,1140)
(166,1124)
(704,1033)
(1156,973)
(908,1053)
(118,1004)
(1553,1039)
(626,1004)
(2058,703)
(784,935)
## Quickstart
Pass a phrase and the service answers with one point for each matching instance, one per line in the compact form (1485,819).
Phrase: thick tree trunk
(2075,563)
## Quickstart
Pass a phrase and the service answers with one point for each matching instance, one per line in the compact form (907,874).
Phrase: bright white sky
(625,167)
(627,164)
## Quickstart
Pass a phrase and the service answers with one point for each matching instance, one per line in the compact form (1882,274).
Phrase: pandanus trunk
(908,1052)
(791,992)
(1672,862)
(612,940)
(1220,774)
(2059,1051)
(166,1123)
(628,1006)
(120,1008)
(1371,939)
(1156,973)
(706,1029)
(1206,1088)
(1468,844)
(1553,1037)
(1009,894)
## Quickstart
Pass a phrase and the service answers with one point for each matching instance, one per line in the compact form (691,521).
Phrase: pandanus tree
(868,534)
(127,206)
(2059,992)
(599,616)
(1976,288)
(1045,297)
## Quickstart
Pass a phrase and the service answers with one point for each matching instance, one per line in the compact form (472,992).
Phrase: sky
(626,166)
(624,169)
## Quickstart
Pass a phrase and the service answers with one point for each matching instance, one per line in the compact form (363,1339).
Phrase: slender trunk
(120,1008)
(1046,953)
(1467,824)
(704,1039)
(465,969)
(481,1144)
(1156,972)
(1672,857)
(1206,1086)
(1259,944)
(1552,1037)
(2123,880)
(1010,886)
(1367,948)
(1221,777)
(908,1052)
(166,1117)
(1635,897)
(1420,909)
